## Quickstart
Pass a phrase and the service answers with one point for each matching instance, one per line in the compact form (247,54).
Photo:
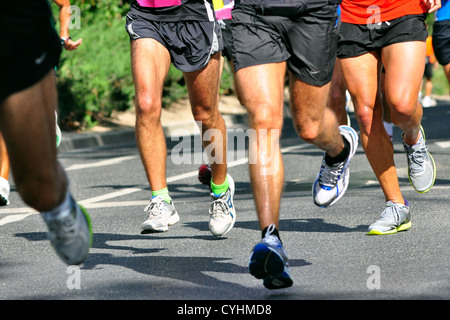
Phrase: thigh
(150,62)
(27,122)
(361,74)
(262,90)
(404,64)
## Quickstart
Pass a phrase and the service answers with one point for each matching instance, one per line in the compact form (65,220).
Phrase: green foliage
(95,79)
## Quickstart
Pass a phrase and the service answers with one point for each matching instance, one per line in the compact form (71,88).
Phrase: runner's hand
(72,45)
(432,5)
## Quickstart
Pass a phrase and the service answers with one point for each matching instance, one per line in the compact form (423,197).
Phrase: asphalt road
(330,255)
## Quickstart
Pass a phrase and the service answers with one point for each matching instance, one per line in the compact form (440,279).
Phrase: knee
(148,106)
(207,116)
(266,118)
(308,131)
(403,110)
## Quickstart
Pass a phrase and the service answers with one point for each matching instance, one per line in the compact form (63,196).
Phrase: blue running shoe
(268,261)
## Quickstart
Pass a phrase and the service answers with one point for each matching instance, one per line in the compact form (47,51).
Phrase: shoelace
(218,206)
(271,239)
(154,207)
(392,211)
(417,158)
(330,175)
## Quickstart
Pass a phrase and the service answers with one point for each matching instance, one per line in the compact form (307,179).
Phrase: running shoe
(421,166)
(222,214)
(268,261)
(332,181)
(396,217)
(70,233)
(204,174)
(4,192)
(160,215)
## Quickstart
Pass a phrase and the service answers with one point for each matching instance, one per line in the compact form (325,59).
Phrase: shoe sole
(434,168)
(402,227)
(266,264)
(170,222)
(89,223)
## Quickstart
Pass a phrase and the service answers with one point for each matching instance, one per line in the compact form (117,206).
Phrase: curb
(73,140)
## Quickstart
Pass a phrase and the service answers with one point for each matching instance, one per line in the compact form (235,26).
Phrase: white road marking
(100,163)
(443,144)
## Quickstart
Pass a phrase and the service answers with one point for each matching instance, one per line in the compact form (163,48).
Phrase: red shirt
(369,11)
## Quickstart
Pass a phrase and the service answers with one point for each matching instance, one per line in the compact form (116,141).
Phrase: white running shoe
(222,214)
(4,192)
(332,182)
(160,215)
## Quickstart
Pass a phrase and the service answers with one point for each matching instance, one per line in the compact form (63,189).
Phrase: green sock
(221,188)
(164,193)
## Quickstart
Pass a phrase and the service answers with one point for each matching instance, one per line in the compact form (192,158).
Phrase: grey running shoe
(396,217)
(332,182)
(222,214)
(268,261)
(160,215)
(421,166)
(4,192)
(70,233)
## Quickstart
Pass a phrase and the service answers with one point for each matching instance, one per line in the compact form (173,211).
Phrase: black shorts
(308,42)
(358,39)
(227,38)
(441,41)
(27,55)
(428,73)
(191,44)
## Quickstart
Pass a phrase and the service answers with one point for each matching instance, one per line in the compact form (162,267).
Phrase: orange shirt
(369,11)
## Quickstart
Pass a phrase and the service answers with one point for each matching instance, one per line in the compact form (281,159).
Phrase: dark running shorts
(428,73)
(191,44)
(308,43)
(441,41)
(227,38)
(358,39)
(27,55)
